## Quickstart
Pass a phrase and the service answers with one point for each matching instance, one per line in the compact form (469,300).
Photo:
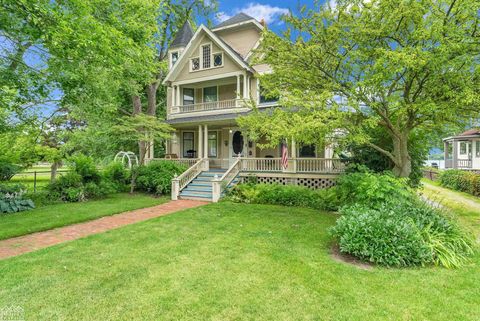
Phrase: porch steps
(200,188)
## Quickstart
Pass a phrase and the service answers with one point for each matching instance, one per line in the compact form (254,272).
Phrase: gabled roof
(183,37)
(238,20)
(235,56)
(241,17)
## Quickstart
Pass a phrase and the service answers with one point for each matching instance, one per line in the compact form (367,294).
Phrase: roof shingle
(183,37)
(241,17)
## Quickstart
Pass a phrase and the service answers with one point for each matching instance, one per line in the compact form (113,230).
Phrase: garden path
(32,242)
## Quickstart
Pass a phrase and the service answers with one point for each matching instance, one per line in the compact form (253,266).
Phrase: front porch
(462,152)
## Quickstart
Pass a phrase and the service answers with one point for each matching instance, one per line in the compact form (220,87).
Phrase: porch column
(455,154)
(179,102)
(245,96)
(445,152)
(205,142)
(293,152)
(238,87)
(200,142)
(173,96)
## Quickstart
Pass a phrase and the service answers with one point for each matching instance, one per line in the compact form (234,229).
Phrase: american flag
(284,155)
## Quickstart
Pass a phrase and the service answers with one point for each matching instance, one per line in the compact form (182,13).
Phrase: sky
(269,10)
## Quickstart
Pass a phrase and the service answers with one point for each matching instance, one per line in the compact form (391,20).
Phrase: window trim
(477,149)
(171,58)
(460,148)
(183,95)
(203,94)
(213,59)
(199,64)
(202,55)
(212,55)
(216,143)
(184,151)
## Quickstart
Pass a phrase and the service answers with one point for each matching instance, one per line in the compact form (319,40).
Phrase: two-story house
(210,80)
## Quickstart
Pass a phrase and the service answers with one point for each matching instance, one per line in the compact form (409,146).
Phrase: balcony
(208,106)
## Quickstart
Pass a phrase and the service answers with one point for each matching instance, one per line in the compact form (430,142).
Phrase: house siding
(241,41)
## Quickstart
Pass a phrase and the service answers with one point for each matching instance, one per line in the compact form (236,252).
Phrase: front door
(238,145)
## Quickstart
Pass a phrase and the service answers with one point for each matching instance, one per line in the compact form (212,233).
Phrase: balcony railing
(208,106)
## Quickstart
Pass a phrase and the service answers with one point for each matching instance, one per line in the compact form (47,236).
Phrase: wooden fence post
(35,181)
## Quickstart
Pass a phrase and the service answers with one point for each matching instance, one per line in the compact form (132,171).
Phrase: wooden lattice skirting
(313,181)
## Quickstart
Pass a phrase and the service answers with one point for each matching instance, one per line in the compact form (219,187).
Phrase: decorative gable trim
(184,57)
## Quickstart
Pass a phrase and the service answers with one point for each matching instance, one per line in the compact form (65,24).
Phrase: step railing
(180,182)
(220,184)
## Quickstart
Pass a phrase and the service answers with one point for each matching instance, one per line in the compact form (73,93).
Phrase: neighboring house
(463,151)
(211,81)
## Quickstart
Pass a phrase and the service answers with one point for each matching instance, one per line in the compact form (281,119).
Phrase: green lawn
(228,262)
(51,216)
(465,206)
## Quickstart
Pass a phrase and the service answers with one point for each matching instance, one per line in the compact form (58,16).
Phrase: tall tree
(406,66)
(171,15)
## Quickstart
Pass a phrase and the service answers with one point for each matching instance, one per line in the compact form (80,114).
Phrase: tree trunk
(53,170)
(152,98)
(402,161)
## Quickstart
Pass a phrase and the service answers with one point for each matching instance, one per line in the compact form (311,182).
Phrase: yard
(228,262)
(57,215)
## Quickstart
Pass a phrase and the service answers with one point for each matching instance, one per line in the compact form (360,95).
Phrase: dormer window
(206,55)
(174,57)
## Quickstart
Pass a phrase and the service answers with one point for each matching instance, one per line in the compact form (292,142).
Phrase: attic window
(206,55)
(196,63)
(217,59)
(174,57)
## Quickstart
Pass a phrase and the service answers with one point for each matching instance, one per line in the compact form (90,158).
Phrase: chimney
(262,22)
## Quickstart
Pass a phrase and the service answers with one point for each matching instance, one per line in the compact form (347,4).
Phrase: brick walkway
(31,242)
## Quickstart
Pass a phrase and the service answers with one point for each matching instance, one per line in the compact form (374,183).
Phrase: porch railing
(189,162)
(180,182)
(319,165)
(461,163)
(262,164)
(206,106)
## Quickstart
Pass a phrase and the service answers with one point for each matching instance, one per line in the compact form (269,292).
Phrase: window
(212,144)
(206,52)
(188,145)
(195,64)
(307,151)
(209,94)
(188,96)
(217,59)
(174,57)
(463,148)
(477,149)
(264,98)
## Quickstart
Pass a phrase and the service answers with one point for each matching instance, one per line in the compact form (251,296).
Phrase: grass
(228,262)
(57,215)
(465,206)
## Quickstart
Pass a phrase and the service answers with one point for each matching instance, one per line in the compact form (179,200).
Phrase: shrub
(402,234)
(460,180)
(116,172)
(156,177)
(323,199)
(372,189)
(85,167)
(8,170)
(12,199)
